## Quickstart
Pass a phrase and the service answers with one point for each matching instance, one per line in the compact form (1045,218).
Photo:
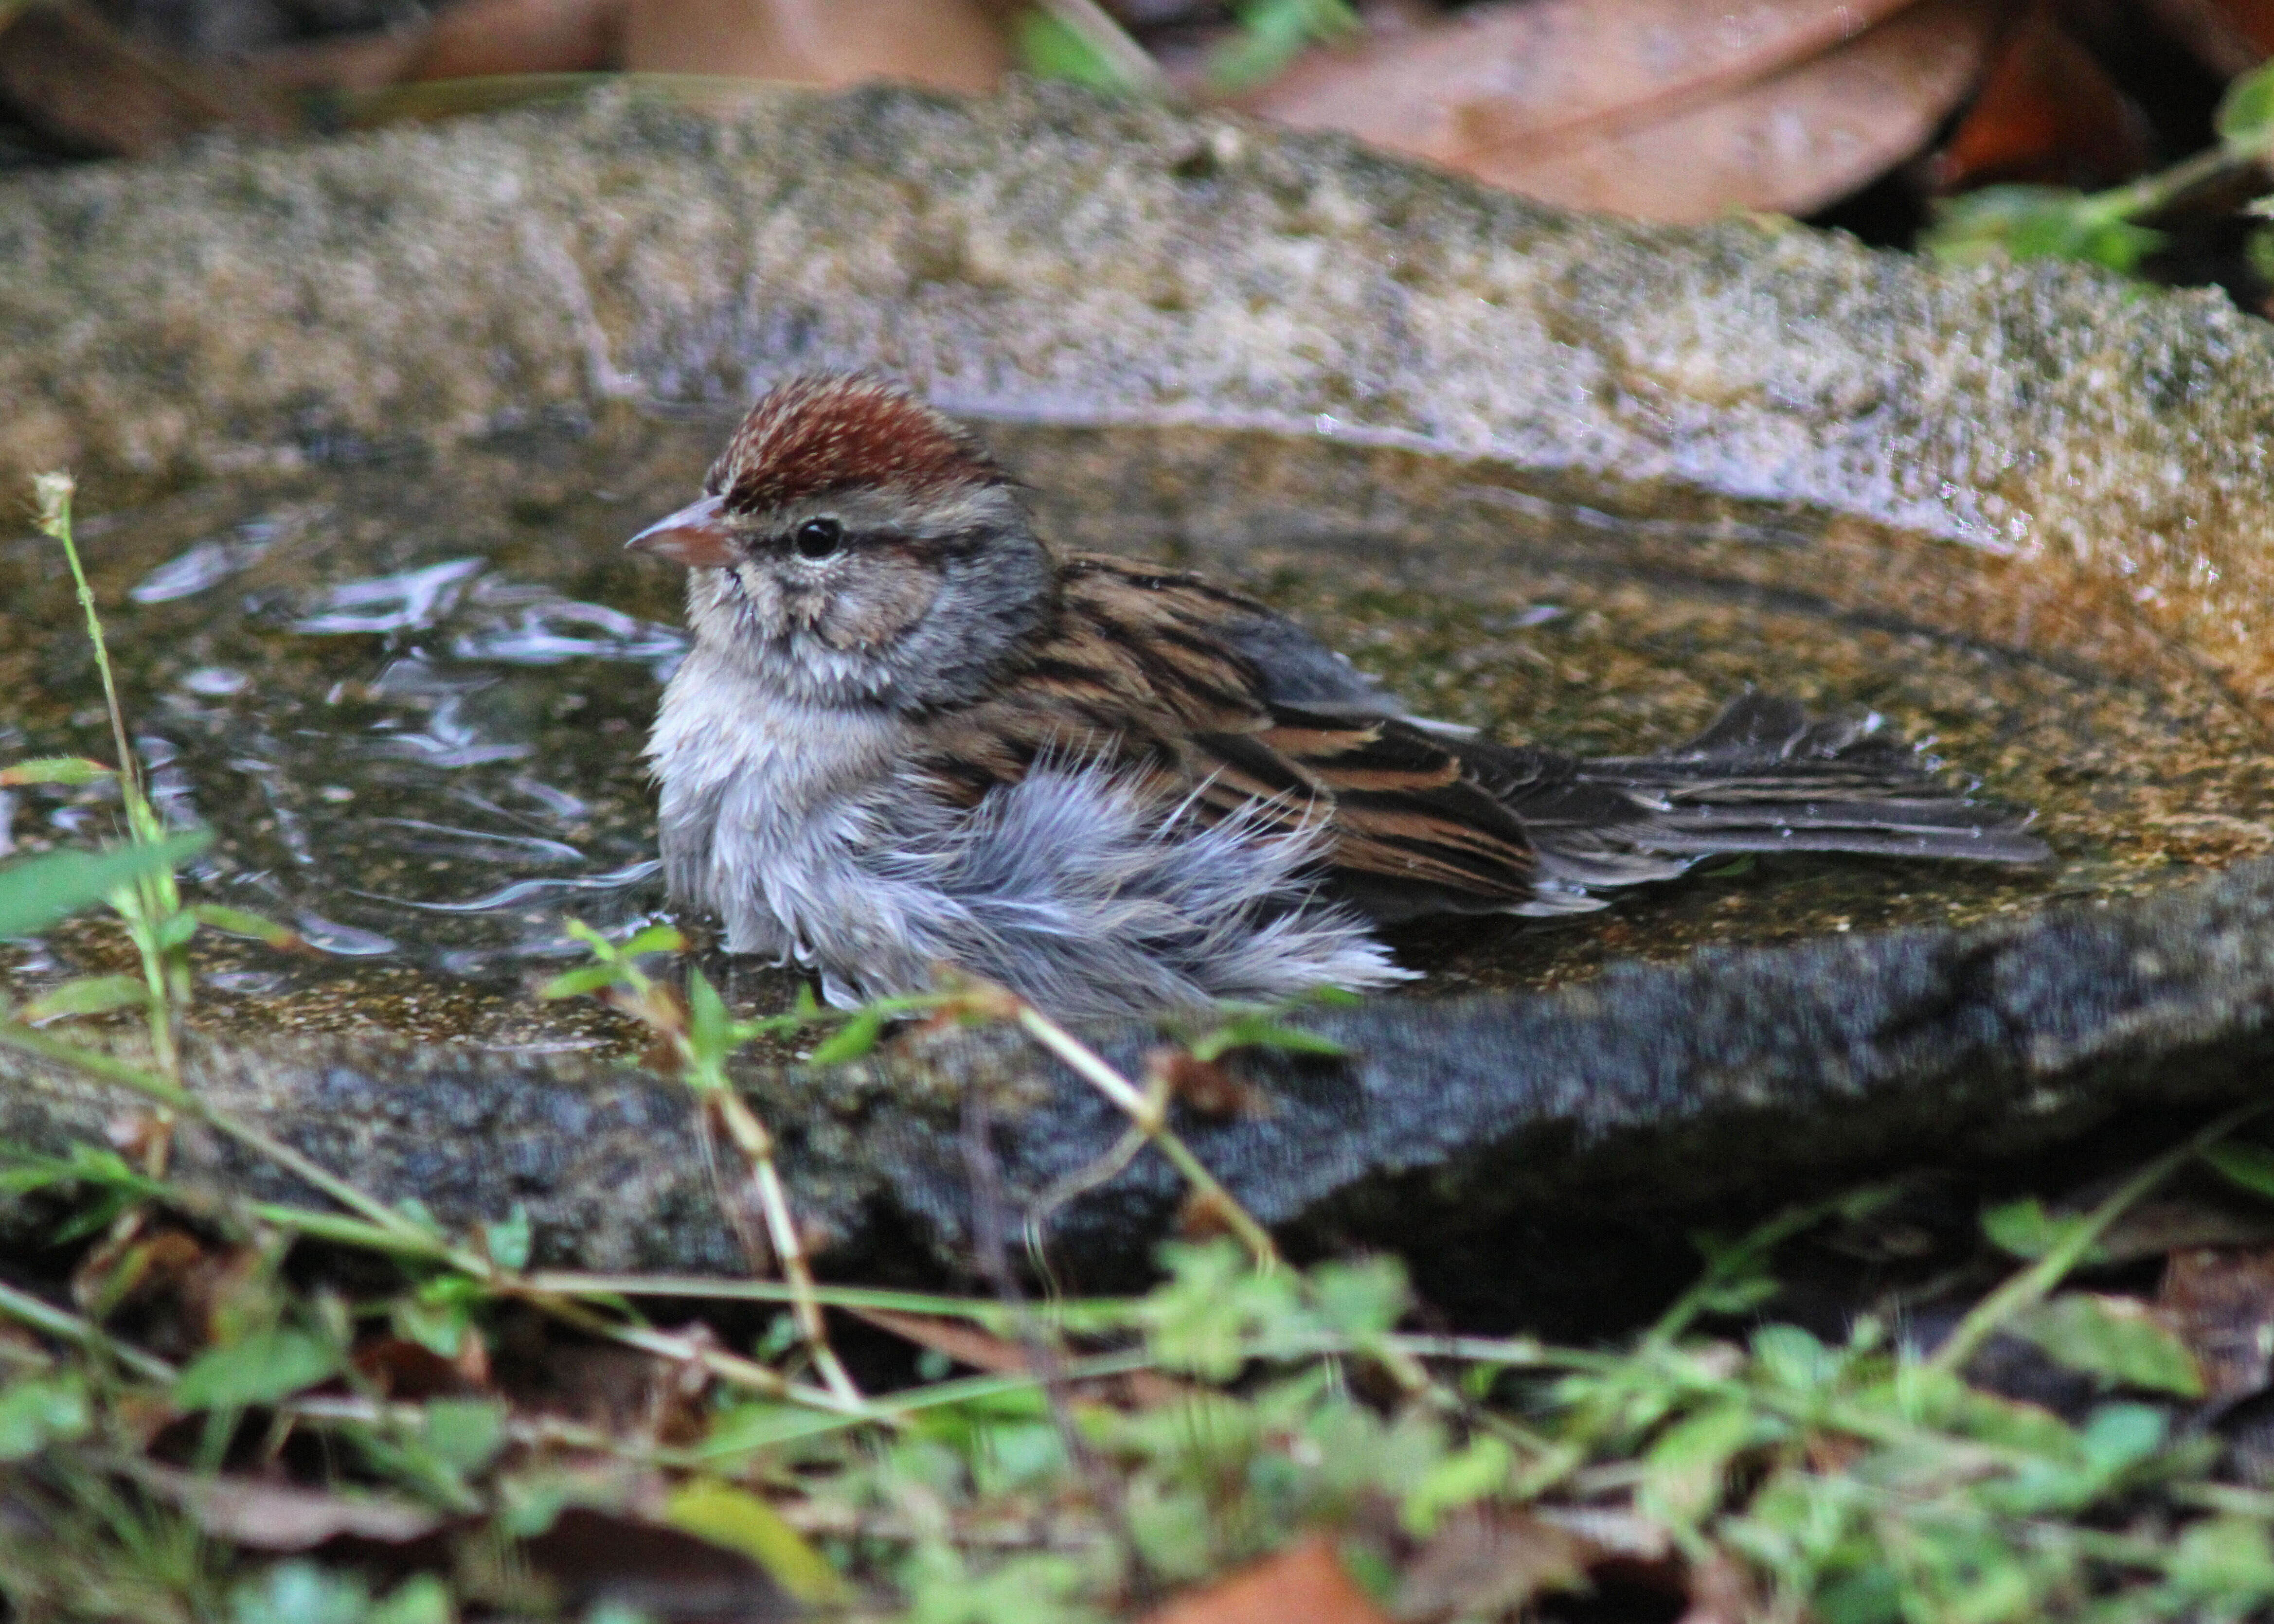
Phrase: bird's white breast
(765,800)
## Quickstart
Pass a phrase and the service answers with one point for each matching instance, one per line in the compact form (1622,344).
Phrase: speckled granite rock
(1753,1075)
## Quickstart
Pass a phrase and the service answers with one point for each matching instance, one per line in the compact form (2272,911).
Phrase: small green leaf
(38,1411)
(300,1592)
(653,939)
(466,1433)
(1206,1319)
(1686,1470)
(2037,222)
(739,1520)
(2114,1338)
(855,1038)
(1048,48)
(1273,33)
(2228,1560)
(175,931)
(436,1321)
(422,1598)
(415,1210)
(1792,1357)
(40,890)
(239,922)
(260,1369)
(2245,118)
(2026,1229)
(2245,1163)
(1468,1475)
(508,1239)
(1362,1299)
(710,1027)
(90,994)
(52,769)
(583,979)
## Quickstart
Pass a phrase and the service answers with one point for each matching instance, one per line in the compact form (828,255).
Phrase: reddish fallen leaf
(1305,1581)
(355,62)
(84,87)
(1501,74)
(1791,143)
(2046,113)
(966,1344)
(477,37)
(982,1351)
(951,44)
(2220,1304)
(279,1517)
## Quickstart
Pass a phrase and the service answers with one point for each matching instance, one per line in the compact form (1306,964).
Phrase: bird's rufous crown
(815,435)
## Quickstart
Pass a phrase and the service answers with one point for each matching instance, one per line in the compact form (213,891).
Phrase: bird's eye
(817,539)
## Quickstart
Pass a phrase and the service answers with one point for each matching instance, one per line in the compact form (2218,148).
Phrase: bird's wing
(1209,697)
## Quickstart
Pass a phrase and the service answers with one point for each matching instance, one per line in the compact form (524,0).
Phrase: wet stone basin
(410,694)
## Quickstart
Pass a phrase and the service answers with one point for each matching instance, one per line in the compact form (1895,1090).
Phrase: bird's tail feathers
(1765,776)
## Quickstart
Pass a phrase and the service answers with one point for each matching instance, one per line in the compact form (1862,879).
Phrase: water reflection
(208,564)
(411,701)
(409,600)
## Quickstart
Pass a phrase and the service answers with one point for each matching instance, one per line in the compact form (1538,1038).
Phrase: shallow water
(410,694)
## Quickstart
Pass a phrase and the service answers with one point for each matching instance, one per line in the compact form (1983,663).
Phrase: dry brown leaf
(1787,109)
(1487,1561)
(478,37)
(353,62)
(2186,1218)
(1305,1581)
(967,1344)
(403,1369)
(590,1557)
(1719,1593)
(2220,1304)
(1206,1086)
(2045,113)
(82,84)
(949,44)
(278,1517)
(1792,143)
(1502,73)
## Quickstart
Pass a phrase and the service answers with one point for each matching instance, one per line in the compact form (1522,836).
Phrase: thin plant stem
(2027,1288)
(165,1093)
(61,1324)
(57,492)
(1151,1113)
(753,1139)
(147,902)
(409,1236)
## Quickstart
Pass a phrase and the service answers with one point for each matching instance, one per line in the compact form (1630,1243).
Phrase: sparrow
(908,734)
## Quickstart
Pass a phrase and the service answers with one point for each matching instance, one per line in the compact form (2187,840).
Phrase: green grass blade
(39,892)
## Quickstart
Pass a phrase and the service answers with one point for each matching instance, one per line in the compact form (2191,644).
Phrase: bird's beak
(696,537)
